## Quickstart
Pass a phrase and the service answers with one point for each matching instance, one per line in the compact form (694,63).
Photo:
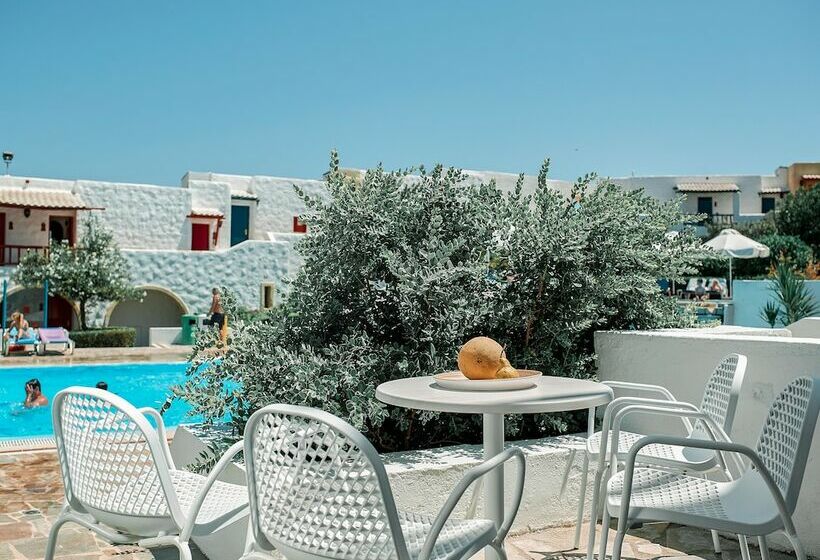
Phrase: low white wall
(683,360)
(806,328)
(163,336)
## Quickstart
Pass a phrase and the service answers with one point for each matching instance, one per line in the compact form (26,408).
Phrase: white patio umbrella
(735,245)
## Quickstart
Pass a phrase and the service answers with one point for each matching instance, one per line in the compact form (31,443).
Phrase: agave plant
(770,313)
(794,301)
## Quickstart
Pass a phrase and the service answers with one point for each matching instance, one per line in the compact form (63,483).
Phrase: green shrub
(111,337)
(799,215)
(400,271)
(784,249)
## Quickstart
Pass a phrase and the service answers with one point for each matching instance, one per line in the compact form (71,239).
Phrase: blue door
(240,223)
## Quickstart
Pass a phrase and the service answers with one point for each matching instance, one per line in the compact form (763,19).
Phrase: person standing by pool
(217,312)
(34,394)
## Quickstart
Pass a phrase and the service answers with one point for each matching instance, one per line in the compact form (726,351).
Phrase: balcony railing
(721,219)
(11,254)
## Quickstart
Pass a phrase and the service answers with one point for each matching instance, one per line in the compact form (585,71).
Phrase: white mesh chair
(120,480)
(759,501)
(318,490)
(719,404)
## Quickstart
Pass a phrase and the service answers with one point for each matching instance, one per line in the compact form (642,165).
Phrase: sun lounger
(16,344)
(54,335)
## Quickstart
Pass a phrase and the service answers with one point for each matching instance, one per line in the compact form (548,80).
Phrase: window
(298,226)
(766,204)
(267,296)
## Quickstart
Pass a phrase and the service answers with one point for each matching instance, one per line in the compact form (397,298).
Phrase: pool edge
(46,443)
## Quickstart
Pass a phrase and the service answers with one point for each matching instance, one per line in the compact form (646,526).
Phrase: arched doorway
(29,301)
(159,308)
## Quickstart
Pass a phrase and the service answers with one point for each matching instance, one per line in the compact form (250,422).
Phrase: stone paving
(31,496)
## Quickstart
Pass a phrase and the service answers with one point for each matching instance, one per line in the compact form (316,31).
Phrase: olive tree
(401,269)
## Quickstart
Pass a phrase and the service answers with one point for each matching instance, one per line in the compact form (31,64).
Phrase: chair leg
(764,547)
(716,542)
(744,547)
(619,542)
(581,499)
(472,507)
(499,549)
(52,537)
(799,551)
(570,462)
(184,549)
(593,512)
(604,535)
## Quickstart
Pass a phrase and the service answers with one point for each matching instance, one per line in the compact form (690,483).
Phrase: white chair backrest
(785,442)
(318,488)
(722,393)
(110,456)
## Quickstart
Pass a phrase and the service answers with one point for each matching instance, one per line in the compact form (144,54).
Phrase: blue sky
(143,91)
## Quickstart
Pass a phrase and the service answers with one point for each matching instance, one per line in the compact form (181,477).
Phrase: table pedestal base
(494,480)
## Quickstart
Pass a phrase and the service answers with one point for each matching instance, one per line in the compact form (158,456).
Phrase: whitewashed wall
(279,203)
(682,360)
(192,274)
(28,231)
(140,216)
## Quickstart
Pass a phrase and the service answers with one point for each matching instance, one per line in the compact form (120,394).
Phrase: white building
(239,231)
(213,230)
(725,199)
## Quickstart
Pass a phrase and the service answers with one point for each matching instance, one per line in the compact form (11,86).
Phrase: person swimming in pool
(34,394)
(102,385)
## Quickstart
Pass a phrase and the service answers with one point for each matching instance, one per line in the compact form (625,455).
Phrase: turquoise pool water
(142,384)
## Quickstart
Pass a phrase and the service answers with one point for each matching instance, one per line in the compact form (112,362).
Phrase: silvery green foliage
(400,270)
(93,272)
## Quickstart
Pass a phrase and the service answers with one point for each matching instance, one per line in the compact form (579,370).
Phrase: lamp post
(7,157)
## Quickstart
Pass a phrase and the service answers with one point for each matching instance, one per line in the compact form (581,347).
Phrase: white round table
(550,394)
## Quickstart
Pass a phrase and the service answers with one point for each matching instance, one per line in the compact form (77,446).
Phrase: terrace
(31,490)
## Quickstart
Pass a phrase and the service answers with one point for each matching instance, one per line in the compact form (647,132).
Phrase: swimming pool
(142,384)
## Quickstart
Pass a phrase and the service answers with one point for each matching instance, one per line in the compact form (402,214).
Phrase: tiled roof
(206,213)
(811,177)
(707,187)
(243,195)
(29,198)
(774,189)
